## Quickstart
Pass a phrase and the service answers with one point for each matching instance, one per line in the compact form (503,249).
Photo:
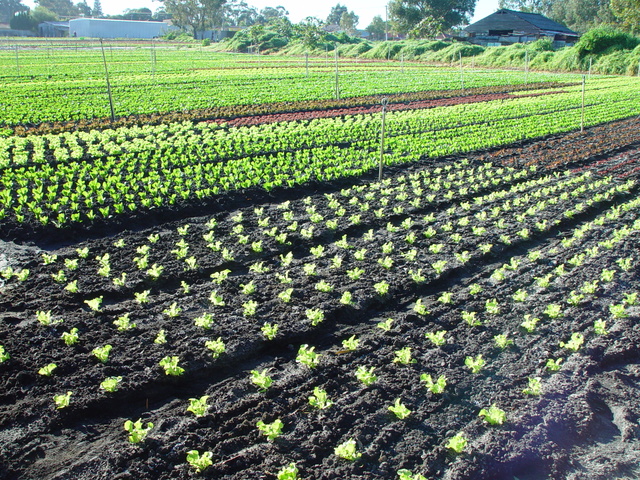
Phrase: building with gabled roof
(506,27)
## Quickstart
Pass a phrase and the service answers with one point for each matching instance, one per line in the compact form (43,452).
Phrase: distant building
(105,28)
(53,29)
(506,27)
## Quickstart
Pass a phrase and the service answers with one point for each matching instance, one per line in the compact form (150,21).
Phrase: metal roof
(521,22)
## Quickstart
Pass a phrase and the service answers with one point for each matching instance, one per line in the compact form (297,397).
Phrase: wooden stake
(106,76)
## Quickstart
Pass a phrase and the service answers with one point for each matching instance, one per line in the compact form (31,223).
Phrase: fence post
(337,80)
(106,76)
(461,72)
(384,102)
(582,112)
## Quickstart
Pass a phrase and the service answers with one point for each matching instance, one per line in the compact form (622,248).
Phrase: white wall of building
(103,28)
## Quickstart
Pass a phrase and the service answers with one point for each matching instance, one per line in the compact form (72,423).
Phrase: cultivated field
(224,289)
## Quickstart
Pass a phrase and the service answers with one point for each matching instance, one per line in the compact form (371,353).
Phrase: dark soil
(483,221)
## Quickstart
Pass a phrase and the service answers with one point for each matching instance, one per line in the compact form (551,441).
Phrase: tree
(62,8)
(41,14)
(8,8)
(22,21)
(582,15)
(270,14)
(336,14)
(97,9)
(239,14)
(529,6)
(628,12)
(84,9)
(407,14)
(377,28)
(309,31)
(196,15)
(348,22)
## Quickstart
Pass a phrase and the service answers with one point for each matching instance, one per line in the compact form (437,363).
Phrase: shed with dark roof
(505,27)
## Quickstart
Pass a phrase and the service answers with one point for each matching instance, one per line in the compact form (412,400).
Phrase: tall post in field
(385,102)
(582,112)
(17,60)
(106,76)
(306,63)
(461,71)
(337,80)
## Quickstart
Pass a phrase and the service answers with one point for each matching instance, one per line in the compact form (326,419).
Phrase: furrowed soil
(437,247)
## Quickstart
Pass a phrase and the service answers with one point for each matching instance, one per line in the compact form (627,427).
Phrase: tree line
(412,18)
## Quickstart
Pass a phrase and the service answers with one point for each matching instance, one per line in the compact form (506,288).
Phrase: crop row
(135,94)
(479,309)
(165,165)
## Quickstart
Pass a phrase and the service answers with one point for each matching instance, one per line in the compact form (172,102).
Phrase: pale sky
(298,10)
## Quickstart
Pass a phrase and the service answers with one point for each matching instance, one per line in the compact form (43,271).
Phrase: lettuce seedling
(270,430)
(48,259)
(492,306)
(63,400)
(124,323)
(618,310)
(137,432)
(161,337)
(600,327)
(534,387)
(47,370)
(458,442)
(399,409)
(307,356)
(198,406)
(217,347)
(403,356)
(574,344)
(405,474)
(347,450)
(269,330)
(4,355)
(319,399)
(219,277)
(386,325)
(529,323)
(475,364)
(249,308)
(436,387)
(102,353)
(416,276)
(470,318)
(142,297)
(437,338)
(286,295)
(70,337)
(355,273)
(216,299)
(290,472)
(520,295)
(502,341)
(110,384)
(170,366)
(381,288)
(173,311)
(199,461)
(630,298)
(204,321)
(553,310)
(261,379)
(420,308)
(474,289)
(94,303)
(553,365)
(366,375)
(315,315)
(350,343)
(493,416)
(46,318)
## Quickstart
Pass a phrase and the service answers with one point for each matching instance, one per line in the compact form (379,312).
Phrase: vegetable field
(234,294)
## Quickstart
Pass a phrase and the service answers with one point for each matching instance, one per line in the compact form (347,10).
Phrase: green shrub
(603,39)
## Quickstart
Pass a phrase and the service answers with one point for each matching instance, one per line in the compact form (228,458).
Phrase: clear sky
(298,10)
